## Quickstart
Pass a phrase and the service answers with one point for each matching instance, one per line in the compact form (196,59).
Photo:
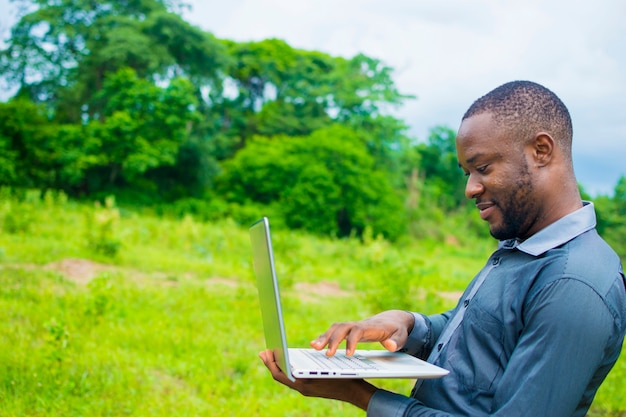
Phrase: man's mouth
(486,208)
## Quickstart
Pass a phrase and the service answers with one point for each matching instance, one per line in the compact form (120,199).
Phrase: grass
(110,313)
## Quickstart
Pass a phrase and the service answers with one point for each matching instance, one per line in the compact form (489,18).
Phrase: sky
(449,53)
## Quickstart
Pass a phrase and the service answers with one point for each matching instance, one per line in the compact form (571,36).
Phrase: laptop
(308,362)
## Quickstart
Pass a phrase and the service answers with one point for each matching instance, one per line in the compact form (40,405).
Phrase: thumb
(390,344)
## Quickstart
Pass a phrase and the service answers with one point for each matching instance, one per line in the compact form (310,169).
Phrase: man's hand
(390,328)
(354,391)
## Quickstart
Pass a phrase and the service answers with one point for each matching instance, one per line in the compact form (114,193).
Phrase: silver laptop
(310,363)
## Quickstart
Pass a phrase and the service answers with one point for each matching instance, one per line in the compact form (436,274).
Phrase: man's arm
(425,333)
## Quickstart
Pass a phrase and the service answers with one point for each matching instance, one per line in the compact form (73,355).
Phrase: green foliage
(611,217)
(271,70)
(136,101)
(24,129)
(18,213)
(443,179)
(57,340)
(386,140)
(620,196)
(60,52)
(283,90)
(192,175)
(128,99)
(8,155)
(211,209)
(325,183)
(142,126)
(101,228)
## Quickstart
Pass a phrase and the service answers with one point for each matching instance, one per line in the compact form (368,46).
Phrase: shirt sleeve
(419,343)
(426,331)
(388,404)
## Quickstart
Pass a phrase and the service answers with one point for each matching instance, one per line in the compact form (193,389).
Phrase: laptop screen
(269,297)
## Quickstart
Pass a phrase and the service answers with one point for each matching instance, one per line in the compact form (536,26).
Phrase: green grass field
(105,312)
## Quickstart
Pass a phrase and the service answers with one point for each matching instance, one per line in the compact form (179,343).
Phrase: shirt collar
(557,233)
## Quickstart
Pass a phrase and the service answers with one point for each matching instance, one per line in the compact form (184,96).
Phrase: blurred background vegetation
(182,140)
(126,98)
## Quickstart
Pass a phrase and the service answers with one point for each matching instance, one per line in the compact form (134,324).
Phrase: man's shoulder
(589,252)
(586,258)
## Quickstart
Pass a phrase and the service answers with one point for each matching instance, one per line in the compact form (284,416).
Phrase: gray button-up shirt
(534,334)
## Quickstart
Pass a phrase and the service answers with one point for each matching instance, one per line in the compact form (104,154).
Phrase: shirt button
(466,303)
(495,261)
(439,346)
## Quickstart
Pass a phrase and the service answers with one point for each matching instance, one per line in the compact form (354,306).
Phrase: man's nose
(473,188)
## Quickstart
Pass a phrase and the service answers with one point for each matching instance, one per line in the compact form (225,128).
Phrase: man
(540,326)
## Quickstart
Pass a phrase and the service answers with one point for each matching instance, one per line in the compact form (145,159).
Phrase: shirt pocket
(476,352)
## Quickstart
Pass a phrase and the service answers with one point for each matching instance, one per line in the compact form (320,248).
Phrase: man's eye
(482,169)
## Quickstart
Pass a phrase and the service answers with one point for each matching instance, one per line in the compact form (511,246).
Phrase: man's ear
(543,149)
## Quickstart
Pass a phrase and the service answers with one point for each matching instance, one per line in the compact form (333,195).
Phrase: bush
(325,183)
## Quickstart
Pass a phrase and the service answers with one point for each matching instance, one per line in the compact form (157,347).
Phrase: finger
(332,338)
(352,339)
(345,331)
(323,339)
(267,356)
(390,344)
(320,342)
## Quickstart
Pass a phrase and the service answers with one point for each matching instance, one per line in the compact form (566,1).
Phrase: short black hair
(526,108)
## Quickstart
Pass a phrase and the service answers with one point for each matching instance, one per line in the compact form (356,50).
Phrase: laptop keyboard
(339,361)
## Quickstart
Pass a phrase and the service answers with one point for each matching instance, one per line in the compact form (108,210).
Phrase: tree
(281,90)
(141,127)
(25,132)
(620,197)
(439,167)
(61,52)
(387,142)
(611,217)
(325,183)
(39,152)
(134,98)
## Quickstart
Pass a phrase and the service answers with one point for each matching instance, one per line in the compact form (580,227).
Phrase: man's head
(514,144)
(524,108)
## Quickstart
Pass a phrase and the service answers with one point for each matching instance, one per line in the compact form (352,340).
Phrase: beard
(518,209)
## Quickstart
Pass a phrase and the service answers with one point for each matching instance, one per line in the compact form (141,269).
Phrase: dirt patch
(83,271)
(168,384)
(80,271)
(314,291)
(225,282)
(451,240)
(450,295)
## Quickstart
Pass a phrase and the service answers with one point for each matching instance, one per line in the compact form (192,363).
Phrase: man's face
(499,178)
